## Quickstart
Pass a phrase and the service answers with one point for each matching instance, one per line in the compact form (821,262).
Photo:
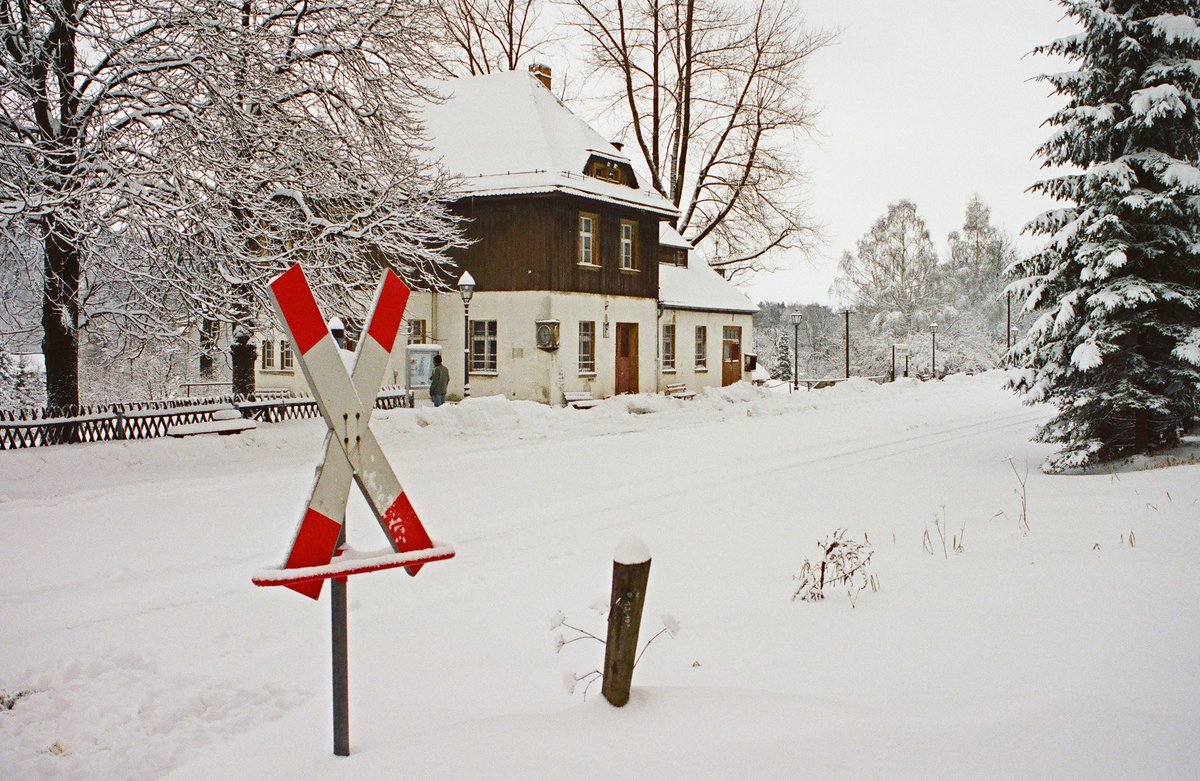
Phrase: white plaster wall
(686,321)
(523,370)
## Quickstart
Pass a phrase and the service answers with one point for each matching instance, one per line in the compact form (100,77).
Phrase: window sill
(631,271)
(669,370)
(592,266)
(287,372)
(703,369)
(481,373)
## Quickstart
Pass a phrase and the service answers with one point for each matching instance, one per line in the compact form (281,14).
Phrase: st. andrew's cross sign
(351,449)
(352,454)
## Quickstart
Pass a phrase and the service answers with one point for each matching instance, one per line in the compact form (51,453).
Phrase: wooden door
(627,358)
(731,354)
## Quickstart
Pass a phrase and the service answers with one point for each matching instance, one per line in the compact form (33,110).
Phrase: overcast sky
(929,100)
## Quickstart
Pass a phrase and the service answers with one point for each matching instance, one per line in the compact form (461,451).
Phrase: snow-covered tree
(893,277)
(170,157)
(307,148)
(781,369)
(81,103)
(972,284)
(1116,292)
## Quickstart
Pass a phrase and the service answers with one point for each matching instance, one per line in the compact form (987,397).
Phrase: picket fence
(150,419)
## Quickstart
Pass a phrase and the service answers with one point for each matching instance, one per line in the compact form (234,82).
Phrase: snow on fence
(150,419)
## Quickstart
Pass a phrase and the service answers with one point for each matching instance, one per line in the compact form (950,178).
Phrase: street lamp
(933,360)
(847,314)
(797,318)
(466,289)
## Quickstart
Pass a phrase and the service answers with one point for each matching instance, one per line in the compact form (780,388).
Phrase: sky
(929,100)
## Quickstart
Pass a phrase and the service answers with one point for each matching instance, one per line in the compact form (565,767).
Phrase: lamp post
(933,359)
(847,314)
(797,318)
(466,289)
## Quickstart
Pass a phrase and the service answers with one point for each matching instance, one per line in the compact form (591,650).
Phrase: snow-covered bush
(22,383)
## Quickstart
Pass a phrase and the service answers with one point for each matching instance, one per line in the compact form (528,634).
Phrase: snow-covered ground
(128,618)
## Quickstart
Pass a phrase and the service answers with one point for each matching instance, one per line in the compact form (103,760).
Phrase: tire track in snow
(715,479)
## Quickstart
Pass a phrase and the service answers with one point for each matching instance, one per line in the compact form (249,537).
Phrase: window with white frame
(417,333)
(629,245)
(701,347)
(268,354)
(587,347)
(483,346)
(588,238)
(286,359)
(668,346)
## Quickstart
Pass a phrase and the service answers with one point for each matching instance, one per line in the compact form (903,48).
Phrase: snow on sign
(352,452)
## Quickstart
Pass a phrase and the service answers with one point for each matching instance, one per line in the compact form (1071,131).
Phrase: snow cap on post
(631,551)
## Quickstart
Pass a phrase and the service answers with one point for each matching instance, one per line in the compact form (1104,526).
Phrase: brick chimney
(542,72)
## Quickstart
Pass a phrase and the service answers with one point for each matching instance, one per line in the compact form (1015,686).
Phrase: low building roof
(669,237)
(506,134)
(697,287)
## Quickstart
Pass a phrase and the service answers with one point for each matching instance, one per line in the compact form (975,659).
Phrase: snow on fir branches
(1115,294)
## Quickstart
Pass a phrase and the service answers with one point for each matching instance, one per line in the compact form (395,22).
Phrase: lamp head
(466,287)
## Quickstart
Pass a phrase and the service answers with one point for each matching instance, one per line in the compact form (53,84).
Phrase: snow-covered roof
(697,286)
(669,237)
(506,134)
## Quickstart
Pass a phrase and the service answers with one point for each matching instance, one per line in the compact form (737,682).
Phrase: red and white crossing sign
(352,453)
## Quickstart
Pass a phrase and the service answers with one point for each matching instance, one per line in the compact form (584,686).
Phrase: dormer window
(611,171)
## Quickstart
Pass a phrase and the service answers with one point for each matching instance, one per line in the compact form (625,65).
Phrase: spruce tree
(1115,342)
(783,358)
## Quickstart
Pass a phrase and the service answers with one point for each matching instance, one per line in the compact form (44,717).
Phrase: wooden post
(631,571)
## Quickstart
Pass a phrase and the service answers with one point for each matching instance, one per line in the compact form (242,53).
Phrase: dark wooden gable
(531,242)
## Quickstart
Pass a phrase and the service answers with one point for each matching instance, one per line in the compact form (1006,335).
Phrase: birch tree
(893,275)
(714,98)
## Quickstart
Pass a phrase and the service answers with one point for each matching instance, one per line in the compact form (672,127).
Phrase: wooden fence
(150,419)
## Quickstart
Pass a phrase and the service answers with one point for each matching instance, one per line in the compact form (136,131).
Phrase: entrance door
(731,354)
(627,357)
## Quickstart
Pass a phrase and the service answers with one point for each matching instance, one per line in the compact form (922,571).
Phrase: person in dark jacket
(439,378)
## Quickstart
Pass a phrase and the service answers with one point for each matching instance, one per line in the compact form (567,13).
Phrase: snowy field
(128,620)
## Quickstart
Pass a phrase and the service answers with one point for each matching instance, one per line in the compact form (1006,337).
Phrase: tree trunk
(209,333)
(242,351)
(1141,431)
(60,318)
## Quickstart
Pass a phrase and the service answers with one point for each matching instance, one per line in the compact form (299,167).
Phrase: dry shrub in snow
(571,679)
(840,561)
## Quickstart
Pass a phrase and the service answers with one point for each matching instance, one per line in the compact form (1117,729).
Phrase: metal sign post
(352,454)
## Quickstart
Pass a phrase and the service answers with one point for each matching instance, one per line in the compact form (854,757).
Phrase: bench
(679,390)
(579,399)
(225,421)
